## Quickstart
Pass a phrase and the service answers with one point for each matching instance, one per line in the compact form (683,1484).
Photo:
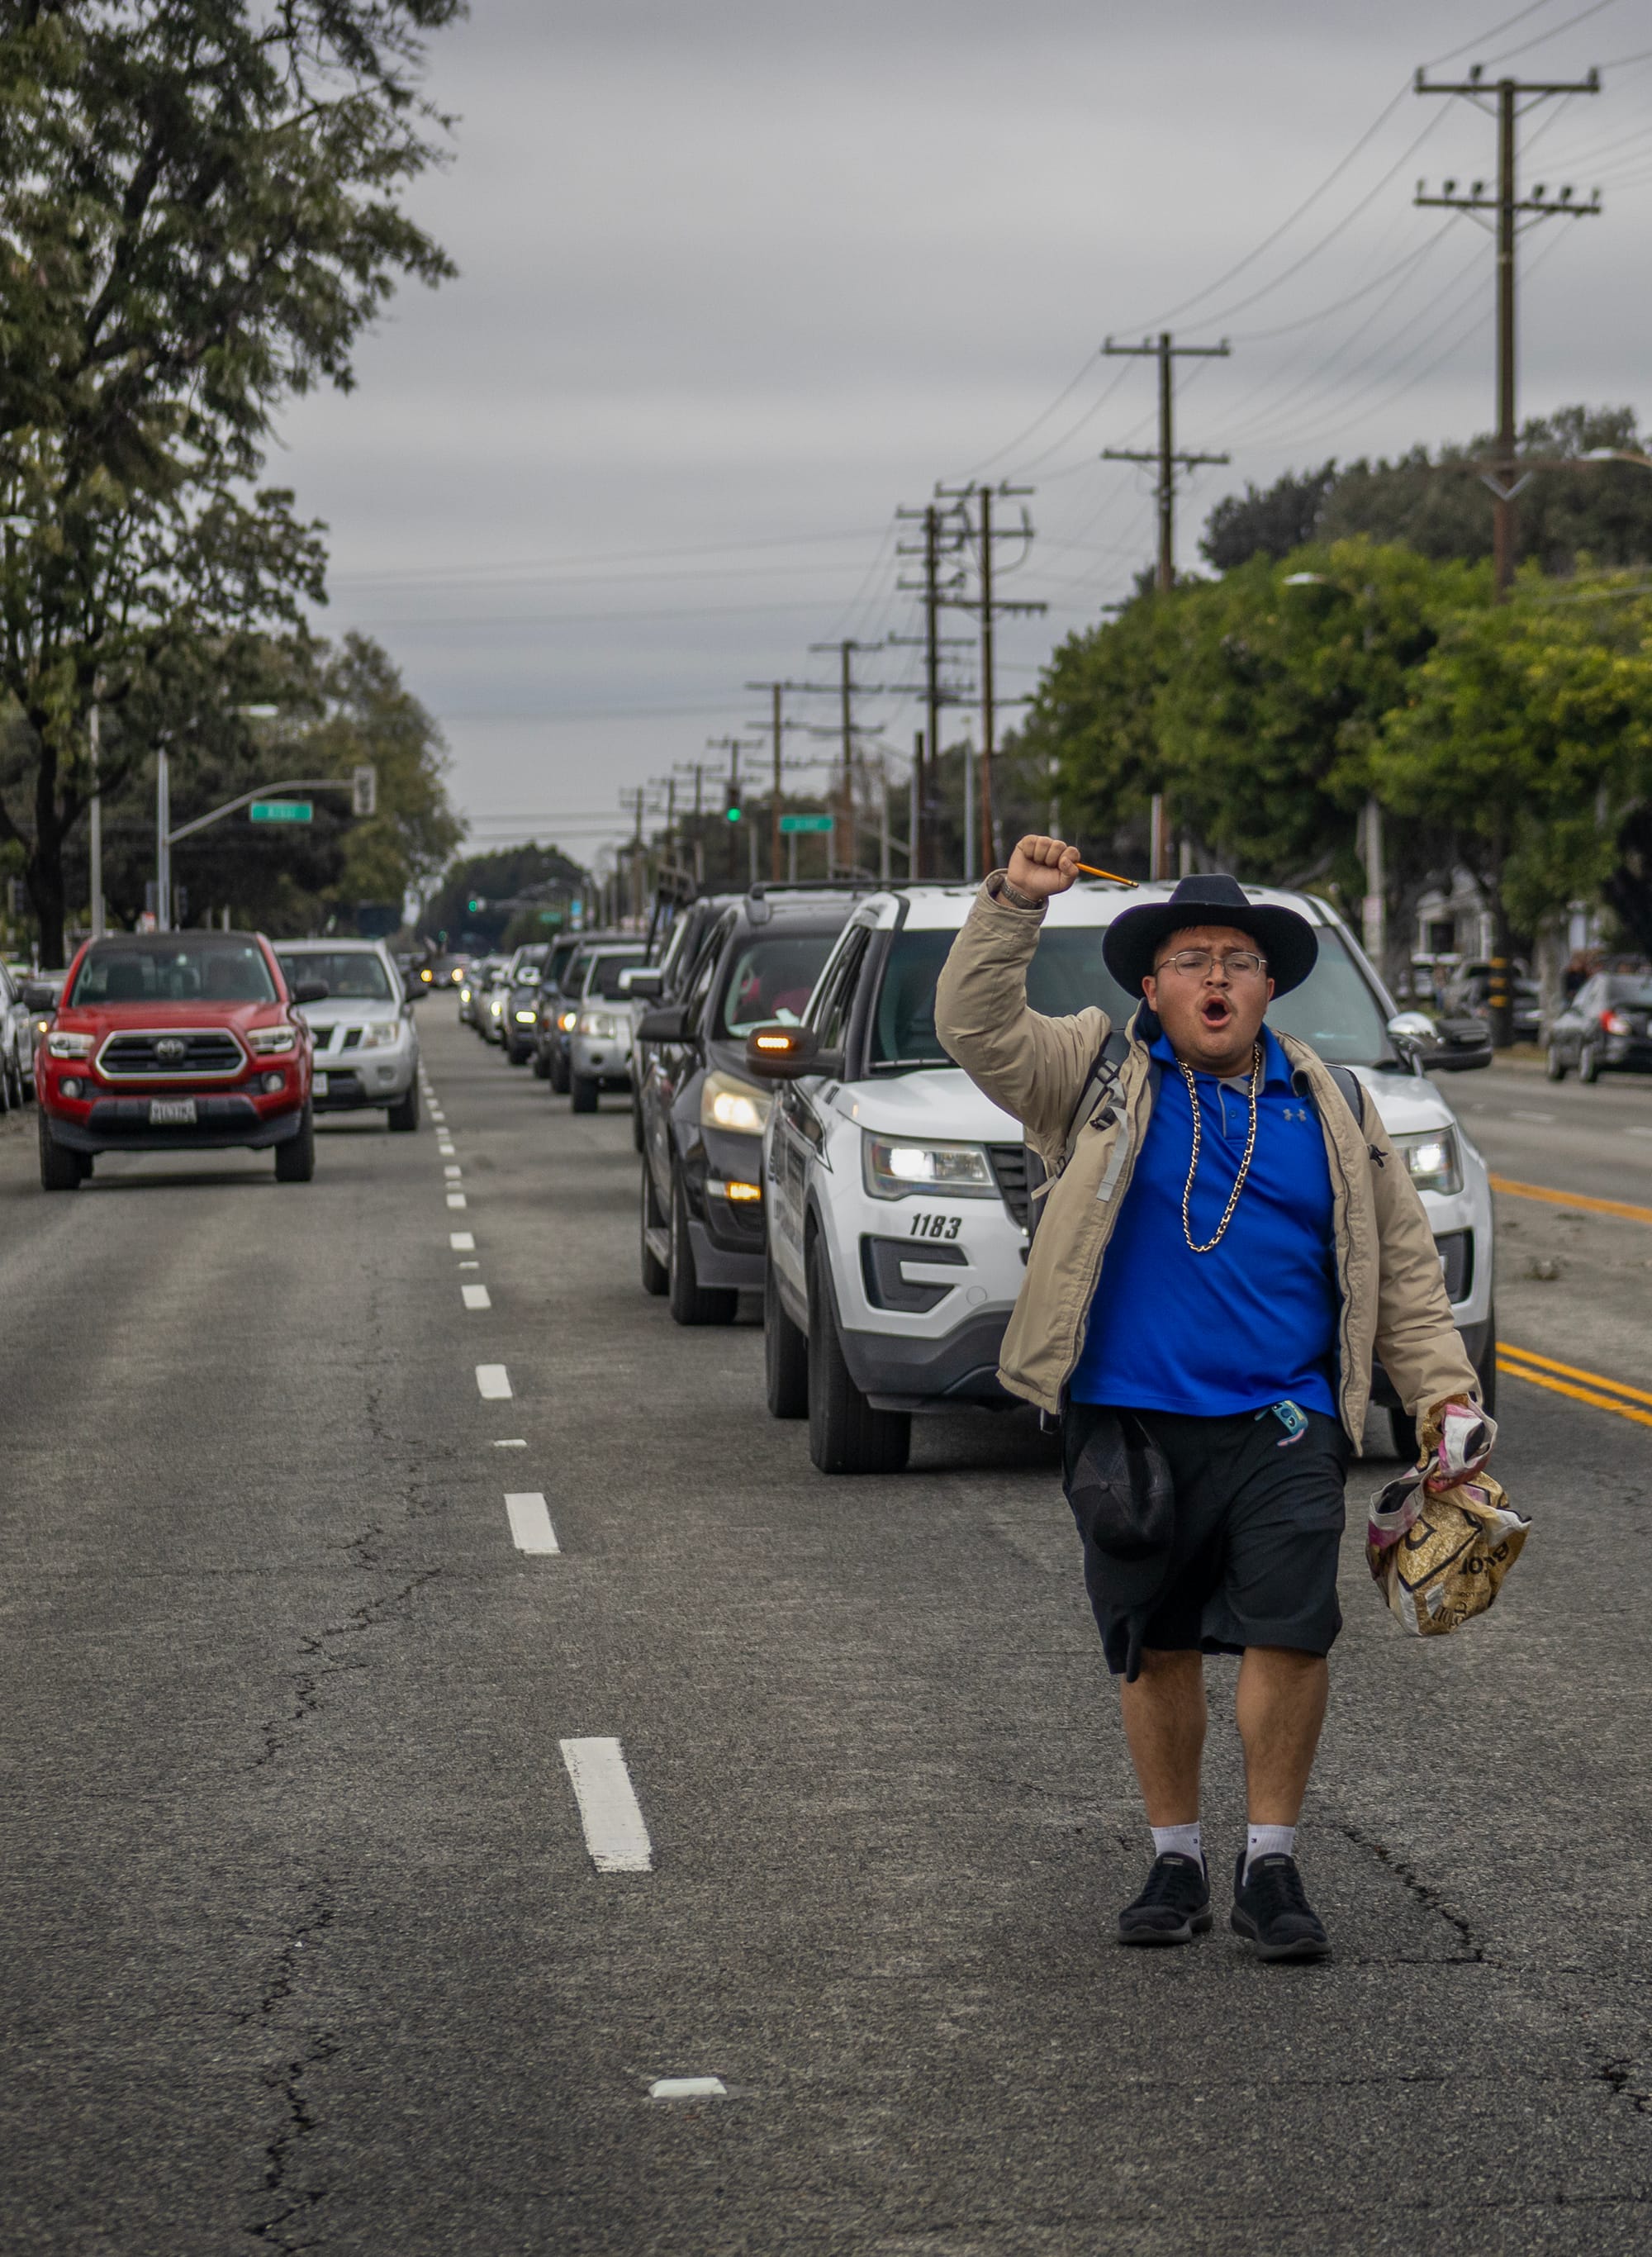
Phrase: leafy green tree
(198,215)
(497,884)
(1268,521)
(1528,732)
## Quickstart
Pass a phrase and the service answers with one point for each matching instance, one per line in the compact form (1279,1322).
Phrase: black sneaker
(1174,1907)
(1271,1911)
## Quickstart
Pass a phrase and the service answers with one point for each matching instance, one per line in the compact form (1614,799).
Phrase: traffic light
(475,906)
(731,810)
(364,788)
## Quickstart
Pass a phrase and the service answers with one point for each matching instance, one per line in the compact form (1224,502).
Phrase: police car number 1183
(936,1226)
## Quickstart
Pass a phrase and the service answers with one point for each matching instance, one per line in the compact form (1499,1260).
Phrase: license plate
(172,1112)
(321,1085)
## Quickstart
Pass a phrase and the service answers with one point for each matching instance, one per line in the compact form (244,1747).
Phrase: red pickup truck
(176,1042)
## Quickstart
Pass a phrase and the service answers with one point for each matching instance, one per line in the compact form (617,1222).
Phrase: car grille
(330,1041)
(1009,1170)
(206,1052)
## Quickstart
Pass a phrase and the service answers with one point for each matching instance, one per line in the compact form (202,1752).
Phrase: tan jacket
(1393,1299)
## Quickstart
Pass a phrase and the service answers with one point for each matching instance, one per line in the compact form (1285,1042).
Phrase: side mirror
(311,991)
(39,996)
(667,1022)
(641,980)
(1450,1046)
(782,1053)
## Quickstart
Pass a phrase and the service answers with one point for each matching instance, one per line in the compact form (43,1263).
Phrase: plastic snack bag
(1442,1538)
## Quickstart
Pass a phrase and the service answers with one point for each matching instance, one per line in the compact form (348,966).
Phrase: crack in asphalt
(1473,1952)
(309,1685)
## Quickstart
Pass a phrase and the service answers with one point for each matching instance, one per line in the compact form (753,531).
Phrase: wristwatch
(1001,889)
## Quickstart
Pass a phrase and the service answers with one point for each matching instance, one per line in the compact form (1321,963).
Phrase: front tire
(541,1065)
(295,1160)
(1554,1064)
(636,1121)
(785,1354)
(60,1168)
(691,1302)
(845,1435)
(1588,1062)
(583,1094)
(558,1074)
(402,1115)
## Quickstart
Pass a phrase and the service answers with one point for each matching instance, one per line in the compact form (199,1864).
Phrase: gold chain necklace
(1193,1164)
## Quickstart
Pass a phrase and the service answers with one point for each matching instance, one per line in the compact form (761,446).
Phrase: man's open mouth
(1216,1012)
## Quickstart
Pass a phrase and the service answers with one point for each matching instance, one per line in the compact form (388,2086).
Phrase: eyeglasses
(1194,962)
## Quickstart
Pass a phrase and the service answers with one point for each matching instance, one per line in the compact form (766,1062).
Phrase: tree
(1527,731)
(1268,521)
(198,215)
(337,708)
(1598,514)
(480,897)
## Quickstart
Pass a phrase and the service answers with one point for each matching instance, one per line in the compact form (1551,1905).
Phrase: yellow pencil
(1091,871)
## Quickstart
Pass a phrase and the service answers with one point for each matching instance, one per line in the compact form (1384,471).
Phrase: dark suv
(702,1114)
(1606,1028)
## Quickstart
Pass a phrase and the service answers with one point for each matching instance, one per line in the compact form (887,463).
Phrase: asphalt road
(305,1944)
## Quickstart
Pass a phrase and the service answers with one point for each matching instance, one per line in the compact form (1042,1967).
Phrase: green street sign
(793,823)
(282,811)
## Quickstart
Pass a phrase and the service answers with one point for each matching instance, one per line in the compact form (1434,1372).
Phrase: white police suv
(897,1193)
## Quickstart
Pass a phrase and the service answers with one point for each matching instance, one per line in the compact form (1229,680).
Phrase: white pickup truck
(897,1193)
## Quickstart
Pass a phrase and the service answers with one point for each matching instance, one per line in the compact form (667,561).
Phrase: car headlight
(727,1102)
(525,1018)
(271,1041)
(379,1034)
(895,1168)
(601,1026)
(567,1022)
(1433,1159)
(69,1045)
(464,995)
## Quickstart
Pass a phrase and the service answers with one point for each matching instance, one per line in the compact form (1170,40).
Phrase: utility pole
(1167,352)
(991,608)
(1505,210)
(777,734)
(846,855)
(939,540)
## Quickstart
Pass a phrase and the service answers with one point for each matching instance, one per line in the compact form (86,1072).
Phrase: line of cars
(805,1139)
(210,1041)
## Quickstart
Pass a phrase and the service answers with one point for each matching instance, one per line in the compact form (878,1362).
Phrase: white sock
(1268,1842)
(1179,1842)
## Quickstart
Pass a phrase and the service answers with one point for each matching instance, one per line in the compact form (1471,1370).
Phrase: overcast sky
(737,280)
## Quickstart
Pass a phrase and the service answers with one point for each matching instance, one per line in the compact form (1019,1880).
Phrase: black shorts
(1257,1530)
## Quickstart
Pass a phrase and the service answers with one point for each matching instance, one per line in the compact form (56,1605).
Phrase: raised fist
(1043,866)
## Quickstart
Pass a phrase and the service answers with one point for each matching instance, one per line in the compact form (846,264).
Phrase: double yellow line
(1582,1386)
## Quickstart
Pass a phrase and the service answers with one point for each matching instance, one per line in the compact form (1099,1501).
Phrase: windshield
(353,975)
(771,978)
(1636,993)
(605,970)
(601,972)
(221,971)
(1333,1009)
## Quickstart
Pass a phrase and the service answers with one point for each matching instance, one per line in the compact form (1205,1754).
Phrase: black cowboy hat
(1133,939)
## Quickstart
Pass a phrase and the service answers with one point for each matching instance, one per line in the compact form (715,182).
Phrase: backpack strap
(1091,1108)
(1353,1090)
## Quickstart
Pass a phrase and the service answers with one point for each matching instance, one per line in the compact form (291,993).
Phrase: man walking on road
(1227,1239)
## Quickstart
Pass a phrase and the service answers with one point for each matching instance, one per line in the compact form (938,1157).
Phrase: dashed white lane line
(530,1528)
(469,1265)
(446,1151)
(687,2088)
(475,1297)
(493,1382)
(510,1442)
(463,1241)
(609,1810)
(451,1173)
(1638,1132)
(456,1198)
(1545,1120)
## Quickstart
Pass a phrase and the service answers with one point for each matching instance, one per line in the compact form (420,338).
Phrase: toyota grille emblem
(170,1047)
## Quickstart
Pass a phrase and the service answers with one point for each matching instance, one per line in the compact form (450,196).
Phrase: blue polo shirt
(1252,1323)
